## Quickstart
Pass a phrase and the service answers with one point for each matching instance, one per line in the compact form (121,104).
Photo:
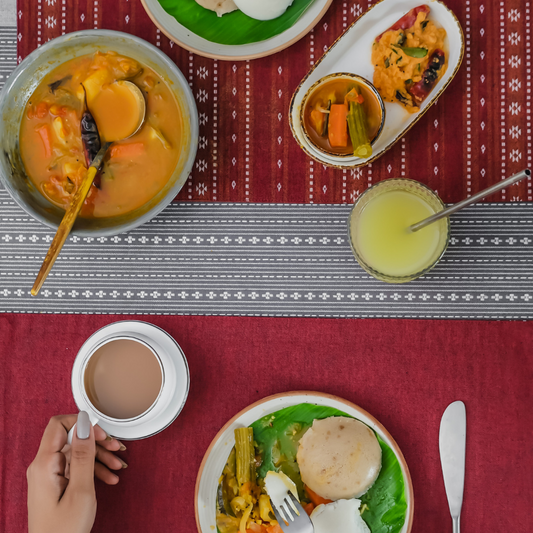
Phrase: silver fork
(291,516)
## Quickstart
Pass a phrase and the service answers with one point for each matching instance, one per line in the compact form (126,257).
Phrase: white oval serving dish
(351,52)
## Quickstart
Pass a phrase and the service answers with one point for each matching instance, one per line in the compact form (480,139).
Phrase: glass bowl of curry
(342,115)
(49,135)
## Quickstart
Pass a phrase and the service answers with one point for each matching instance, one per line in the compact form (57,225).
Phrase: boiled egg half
(340,516)
(263,9)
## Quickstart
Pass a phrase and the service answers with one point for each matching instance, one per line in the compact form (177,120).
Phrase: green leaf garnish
(233,28)
(387,506)
(387,62)
(424,24)
(415,52)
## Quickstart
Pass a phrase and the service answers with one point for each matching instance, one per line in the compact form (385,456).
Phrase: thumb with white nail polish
(83,451)
(80,491)
(83,426)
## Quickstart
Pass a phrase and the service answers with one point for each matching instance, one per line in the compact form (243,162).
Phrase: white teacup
(174,380)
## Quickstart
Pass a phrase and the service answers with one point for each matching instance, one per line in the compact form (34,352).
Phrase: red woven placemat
(477,133)
(405,374)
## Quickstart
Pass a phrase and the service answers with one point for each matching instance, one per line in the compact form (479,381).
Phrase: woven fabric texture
(479,131)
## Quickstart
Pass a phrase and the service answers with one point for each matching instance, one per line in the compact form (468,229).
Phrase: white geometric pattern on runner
(8,52)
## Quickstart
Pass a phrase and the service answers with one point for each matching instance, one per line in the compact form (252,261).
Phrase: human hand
(61,494)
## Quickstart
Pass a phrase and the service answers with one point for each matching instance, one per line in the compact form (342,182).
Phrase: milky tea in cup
(123,378)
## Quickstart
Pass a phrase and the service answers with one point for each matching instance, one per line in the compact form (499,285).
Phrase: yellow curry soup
(134,171)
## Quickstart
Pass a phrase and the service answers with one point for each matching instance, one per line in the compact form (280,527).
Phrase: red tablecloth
(476,134)
(403,372)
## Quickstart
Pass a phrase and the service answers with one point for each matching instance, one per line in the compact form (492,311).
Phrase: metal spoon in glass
(79,197)
(472,200)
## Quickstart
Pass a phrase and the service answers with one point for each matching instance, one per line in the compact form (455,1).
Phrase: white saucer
(175,380)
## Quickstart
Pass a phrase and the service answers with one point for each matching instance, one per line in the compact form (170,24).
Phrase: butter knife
(452,446)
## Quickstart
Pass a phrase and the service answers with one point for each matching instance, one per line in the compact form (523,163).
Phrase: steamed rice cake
(339,458)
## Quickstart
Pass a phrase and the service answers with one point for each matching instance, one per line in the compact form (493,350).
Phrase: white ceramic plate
(175,387)
(352,53)
(217,454)
(189,40)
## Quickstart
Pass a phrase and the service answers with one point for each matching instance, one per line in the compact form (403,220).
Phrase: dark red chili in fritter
(407,20)
(421,89)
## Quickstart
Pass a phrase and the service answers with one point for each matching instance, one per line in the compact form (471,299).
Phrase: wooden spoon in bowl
(116,100)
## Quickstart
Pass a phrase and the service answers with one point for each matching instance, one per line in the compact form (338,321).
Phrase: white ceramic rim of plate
(169,352)
(217,454)
(194,43)
(386,12)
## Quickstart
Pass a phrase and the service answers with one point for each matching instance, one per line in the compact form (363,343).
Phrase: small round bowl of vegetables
(342,115)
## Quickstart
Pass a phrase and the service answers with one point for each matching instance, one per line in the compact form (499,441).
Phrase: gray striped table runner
(266,260)
(8,50)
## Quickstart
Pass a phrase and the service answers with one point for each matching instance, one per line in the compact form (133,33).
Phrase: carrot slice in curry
(44,133)
(127,150)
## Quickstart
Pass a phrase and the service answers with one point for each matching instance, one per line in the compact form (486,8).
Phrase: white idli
(339,458)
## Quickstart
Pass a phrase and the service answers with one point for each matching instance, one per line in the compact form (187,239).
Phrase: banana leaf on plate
(276,436)
(234,28)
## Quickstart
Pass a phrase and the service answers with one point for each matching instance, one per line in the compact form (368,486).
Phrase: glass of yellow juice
(379,231)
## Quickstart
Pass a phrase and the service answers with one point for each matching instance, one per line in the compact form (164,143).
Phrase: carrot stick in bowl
(338,125)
